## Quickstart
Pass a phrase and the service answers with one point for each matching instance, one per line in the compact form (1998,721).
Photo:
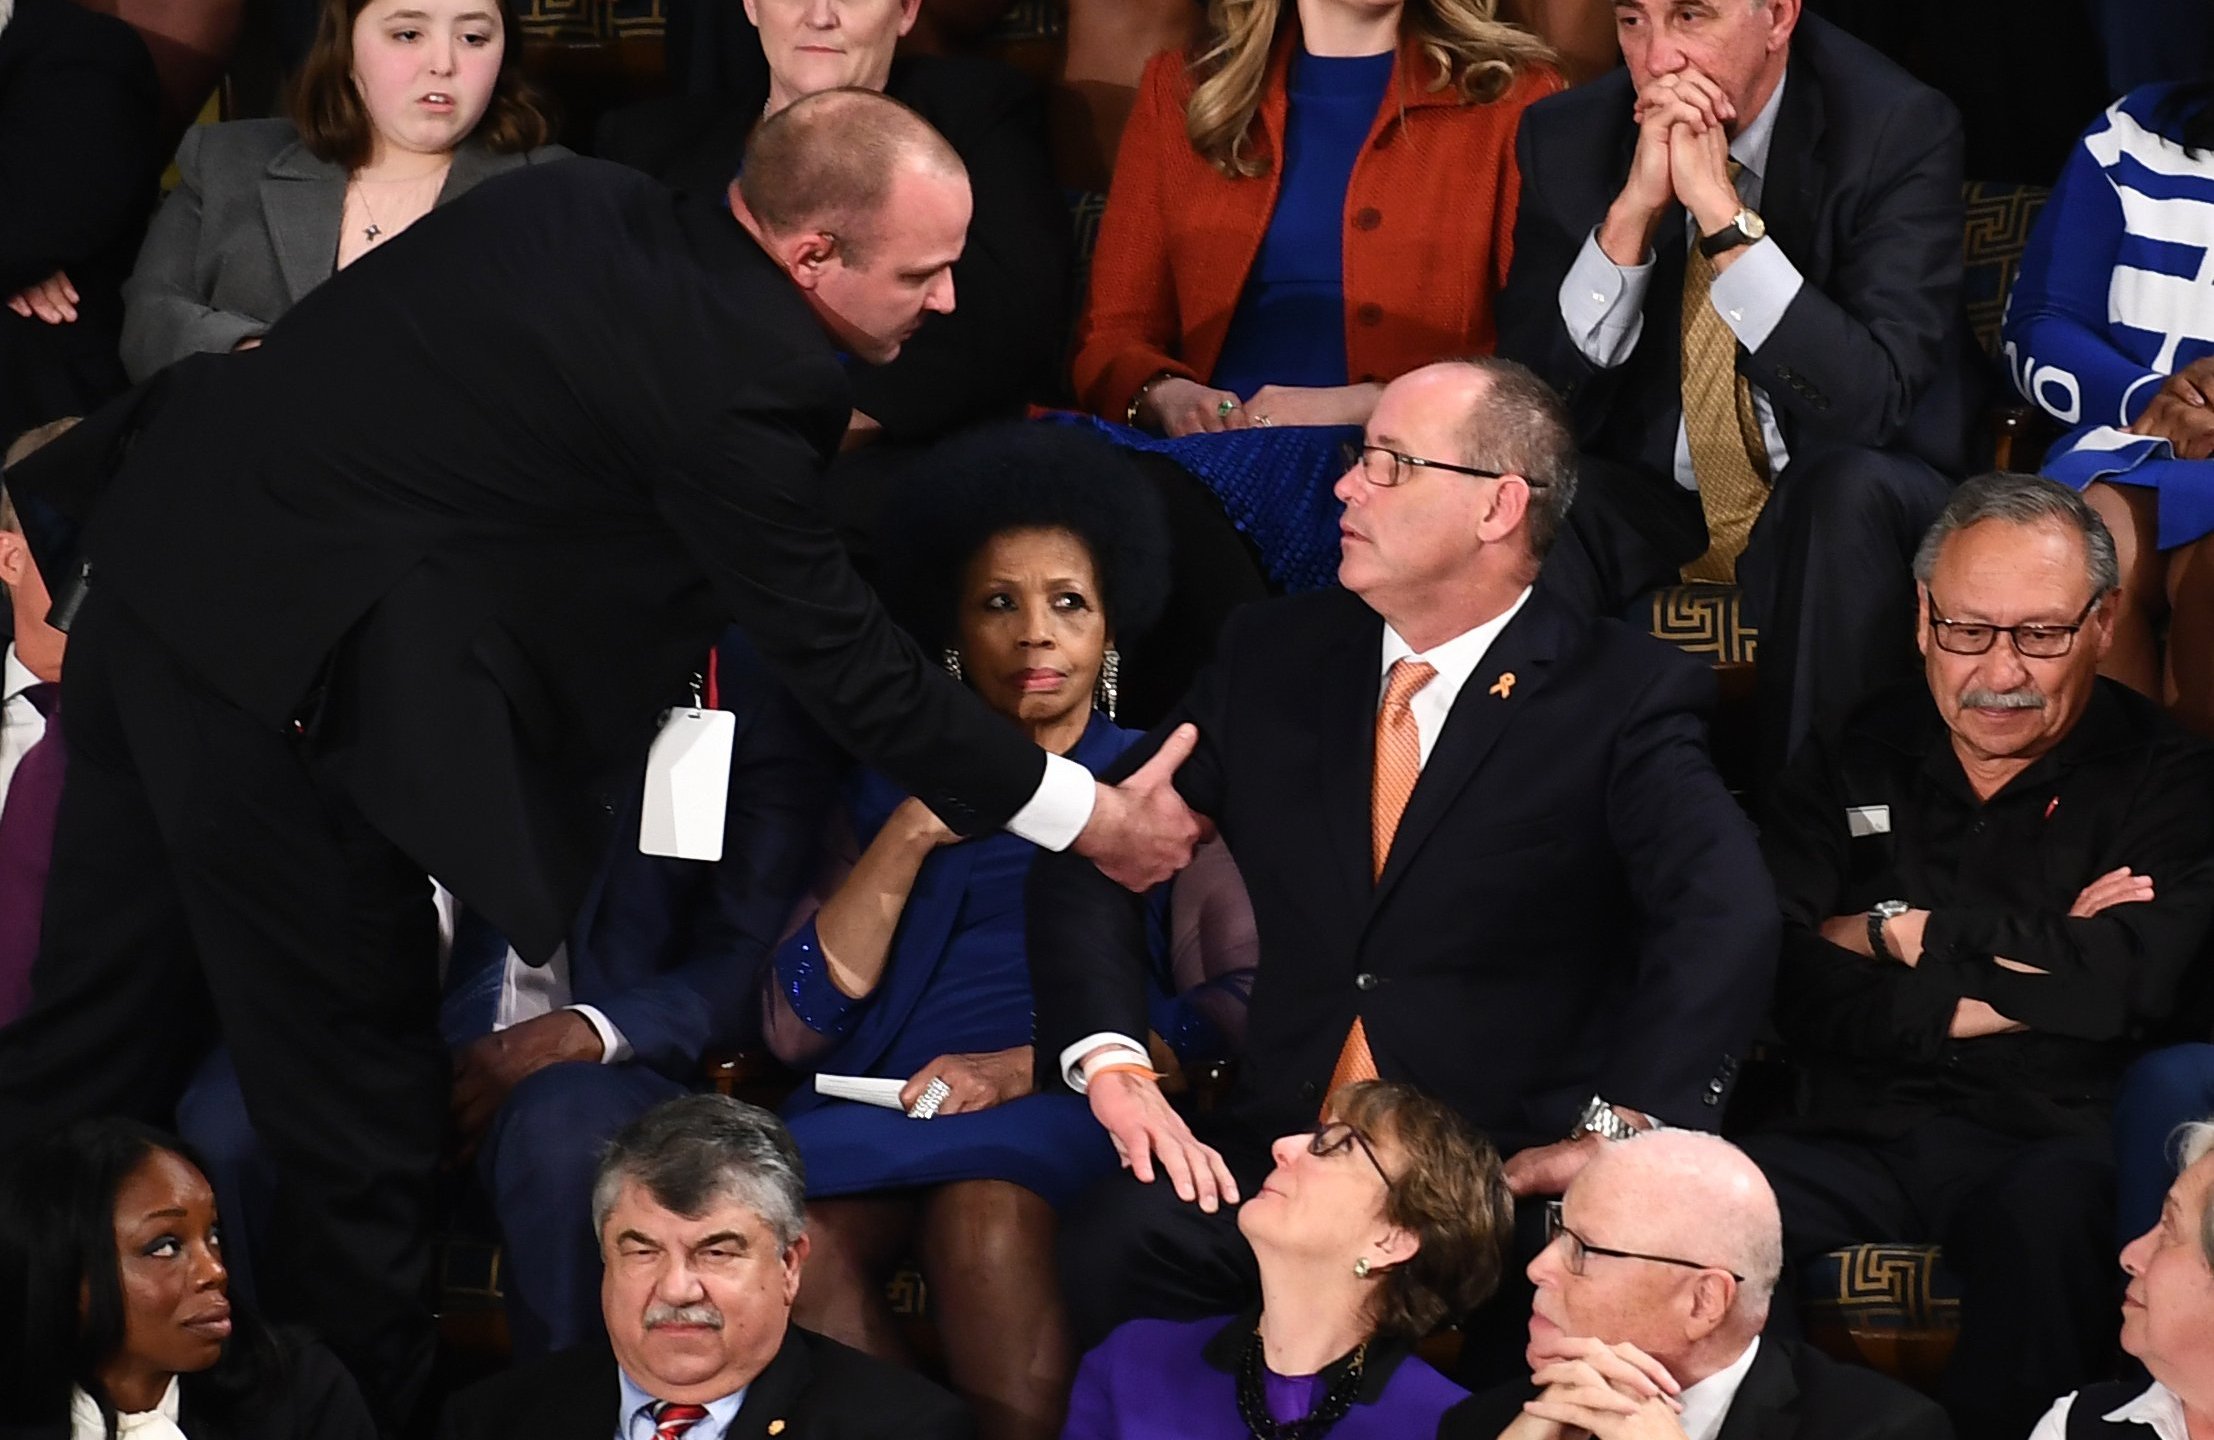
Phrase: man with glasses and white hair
(1652,1290)
(1992,884)
(1487,850)
(700,1204)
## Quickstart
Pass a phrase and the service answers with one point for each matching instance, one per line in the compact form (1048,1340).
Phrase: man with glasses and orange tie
(1487,851)
(1661,1339)
(1993,882)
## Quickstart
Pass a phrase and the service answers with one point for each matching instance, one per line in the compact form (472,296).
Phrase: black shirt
(2125,786)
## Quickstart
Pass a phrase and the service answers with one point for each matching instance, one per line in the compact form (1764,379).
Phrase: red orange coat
(1429,230)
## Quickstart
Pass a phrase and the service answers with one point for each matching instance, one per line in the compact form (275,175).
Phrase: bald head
(1700,1196)
(831,161)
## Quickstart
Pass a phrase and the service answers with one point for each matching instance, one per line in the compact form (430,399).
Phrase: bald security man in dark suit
(401,592)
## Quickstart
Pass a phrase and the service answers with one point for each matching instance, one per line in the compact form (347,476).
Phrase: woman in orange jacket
(1320,199)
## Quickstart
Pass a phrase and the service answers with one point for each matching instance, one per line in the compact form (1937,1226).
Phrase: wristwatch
(1879,912)
(1603,1120)
(1744,228)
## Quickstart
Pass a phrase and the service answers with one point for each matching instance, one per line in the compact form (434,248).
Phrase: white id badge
(688,784)
(1865,820)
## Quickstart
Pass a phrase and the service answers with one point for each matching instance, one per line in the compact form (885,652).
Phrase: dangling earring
(1360,1268)
(953,662)
(1105,693)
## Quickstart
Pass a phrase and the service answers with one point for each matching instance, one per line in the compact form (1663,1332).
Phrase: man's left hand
(1548,1169)
(488,1068)
(1902,933)
(53,300)
(1141,831)
(1612,1392)
(1699,162)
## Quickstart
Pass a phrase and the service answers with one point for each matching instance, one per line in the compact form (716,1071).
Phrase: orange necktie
(1398,766)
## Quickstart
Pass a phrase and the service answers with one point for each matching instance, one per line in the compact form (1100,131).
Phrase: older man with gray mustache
(701,1211)
(1993,883)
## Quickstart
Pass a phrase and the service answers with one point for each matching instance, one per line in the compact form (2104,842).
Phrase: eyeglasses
(1387,468)
(1556,1228)
(1335,1137)
(2034,642)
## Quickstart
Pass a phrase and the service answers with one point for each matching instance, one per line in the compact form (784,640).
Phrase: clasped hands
(2182,413)
(1178,407)
(1610,1392)
(1683,156)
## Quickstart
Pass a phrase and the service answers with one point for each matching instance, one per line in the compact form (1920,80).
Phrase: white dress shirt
(1061,806)
(1707,1404)
(159,1423)
(528,991)
(2158,1406)
(635,1420)
(21,726)
(1455,660)
(1603,304)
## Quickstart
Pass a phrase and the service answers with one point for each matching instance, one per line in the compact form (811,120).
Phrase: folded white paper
(865,1088)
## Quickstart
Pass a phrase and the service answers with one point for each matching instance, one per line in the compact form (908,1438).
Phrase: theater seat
(1895,1308)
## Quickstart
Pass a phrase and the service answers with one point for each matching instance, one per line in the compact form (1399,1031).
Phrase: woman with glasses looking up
(1386,1220)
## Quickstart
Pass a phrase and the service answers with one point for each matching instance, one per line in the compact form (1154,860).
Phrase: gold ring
(1262,422)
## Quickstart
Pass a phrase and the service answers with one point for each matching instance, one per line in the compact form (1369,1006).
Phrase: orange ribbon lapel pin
(1503,687)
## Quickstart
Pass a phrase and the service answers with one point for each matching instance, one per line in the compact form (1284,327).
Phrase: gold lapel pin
(1504,686)
(776,1427)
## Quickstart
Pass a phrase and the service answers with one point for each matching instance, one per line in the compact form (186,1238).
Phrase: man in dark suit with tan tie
(1487,851)
(1738,258)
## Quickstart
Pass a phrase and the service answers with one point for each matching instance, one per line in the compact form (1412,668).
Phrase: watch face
(1751,224)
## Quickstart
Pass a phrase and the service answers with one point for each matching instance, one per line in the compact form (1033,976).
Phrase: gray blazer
(251,227)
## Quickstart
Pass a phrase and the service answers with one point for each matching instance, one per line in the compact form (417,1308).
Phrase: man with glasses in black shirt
(1993,886)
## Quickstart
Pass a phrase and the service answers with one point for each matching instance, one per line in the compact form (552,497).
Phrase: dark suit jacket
(1573,902)
(483,500)
(310,1397)
(1004,342)
(815,1389)
(251,227)
(80,152)
(1862,194)
(2125,786)
(1792,1392)
(669,950)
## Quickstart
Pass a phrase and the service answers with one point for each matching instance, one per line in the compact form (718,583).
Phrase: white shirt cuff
(1754,292)
(1121,1050)
(1603,304)
(614,1049)
(1060,808)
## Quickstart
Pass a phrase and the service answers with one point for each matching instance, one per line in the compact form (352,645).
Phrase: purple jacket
(1155,1379)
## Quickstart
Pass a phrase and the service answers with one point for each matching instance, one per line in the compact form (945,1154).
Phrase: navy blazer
(670,950)
(1863,193)
(1573,902)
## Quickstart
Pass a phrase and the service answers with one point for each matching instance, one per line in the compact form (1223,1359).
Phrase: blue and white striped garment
(2116,293)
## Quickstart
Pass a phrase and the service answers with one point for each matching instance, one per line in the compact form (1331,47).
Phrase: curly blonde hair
(1472,47)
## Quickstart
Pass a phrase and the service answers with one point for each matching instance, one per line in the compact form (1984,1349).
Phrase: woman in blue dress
(1025,551)
(2110,330)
